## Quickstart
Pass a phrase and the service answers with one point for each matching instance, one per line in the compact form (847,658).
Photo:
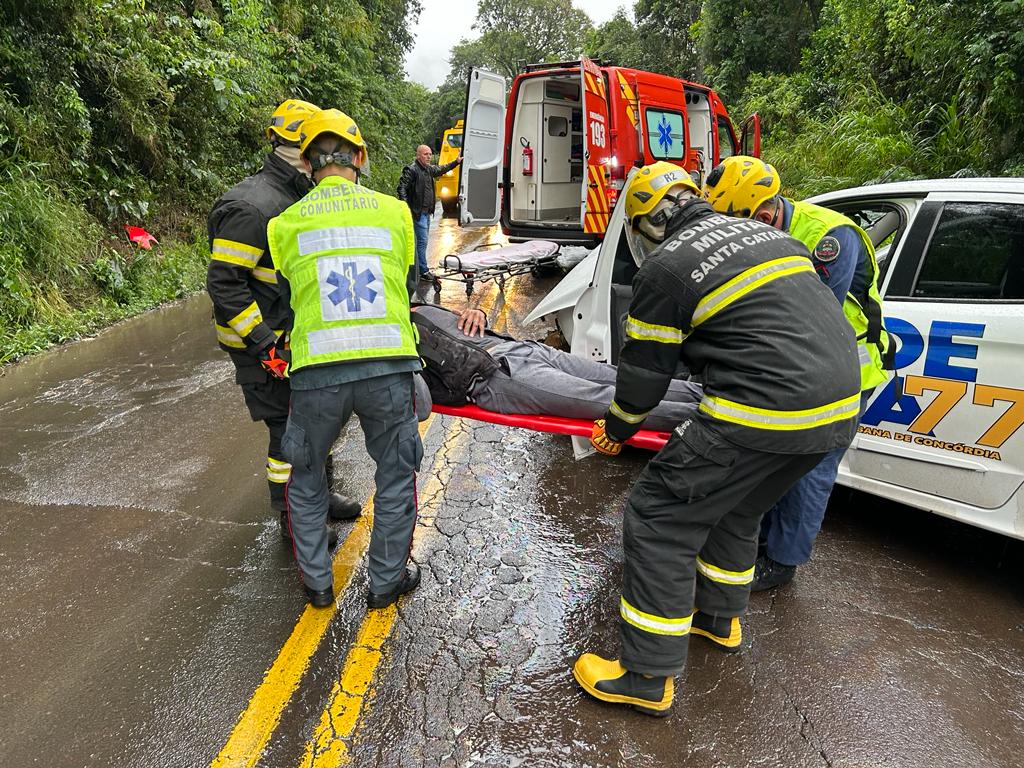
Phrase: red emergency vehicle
(552,163)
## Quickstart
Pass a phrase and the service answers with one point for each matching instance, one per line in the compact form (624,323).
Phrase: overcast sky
(444,22)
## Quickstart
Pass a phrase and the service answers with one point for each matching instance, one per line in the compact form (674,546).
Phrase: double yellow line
(329,745)
(257,723)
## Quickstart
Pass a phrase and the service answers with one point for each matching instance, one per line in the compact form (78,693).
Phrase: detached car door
(947,428)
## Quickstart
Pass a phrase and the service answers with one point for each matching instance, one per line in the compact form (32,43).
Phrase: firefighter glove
(601,442)
(272,363)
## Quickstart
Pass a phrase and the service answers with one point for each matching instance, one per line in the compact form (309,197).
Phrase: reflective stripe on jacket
(741,305)
(346,251)
(248,310)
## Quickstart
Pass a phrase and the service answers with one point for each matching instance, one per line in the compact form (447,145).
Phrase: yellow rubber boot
(724,631)
(610,681)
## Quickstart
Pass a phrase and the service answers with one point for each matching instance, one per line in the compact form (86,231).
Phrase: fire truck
(549,162)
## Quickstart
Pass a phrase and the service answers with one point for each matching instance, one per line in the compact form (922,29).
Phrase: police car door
(954,299)
(596,153)
(483,147)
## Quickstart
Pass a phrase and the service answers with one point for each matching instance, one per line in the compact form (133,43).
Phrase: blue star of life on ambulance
(351,287)
(665,135)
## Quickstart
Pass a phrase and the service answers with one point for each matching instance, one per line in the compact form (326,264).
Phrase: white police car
(945,434)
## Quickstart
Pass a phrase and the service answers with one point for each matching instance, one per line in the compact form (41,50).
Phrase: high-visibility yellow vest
(809,224)
(346,252)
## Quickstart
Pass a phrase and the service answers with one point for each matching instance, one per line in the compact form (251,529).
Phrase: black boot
(769,574)
(609,681)
(340,507)
(724,631)
(409,581)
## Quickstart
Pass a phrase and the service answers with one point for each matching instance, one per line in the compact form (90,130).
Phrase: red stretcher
(645,438)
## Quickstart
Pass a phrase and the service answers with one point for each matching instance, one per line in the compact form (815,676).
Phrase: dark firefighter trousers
(690,539)
(384,405)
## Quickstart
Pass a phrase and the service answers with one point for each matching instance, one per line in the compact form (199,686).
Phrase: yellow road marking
(256,724)
(329,747)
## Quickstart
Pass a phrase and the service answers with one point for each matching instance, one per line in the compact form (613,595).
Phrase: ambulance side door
(483,147)
(596,171)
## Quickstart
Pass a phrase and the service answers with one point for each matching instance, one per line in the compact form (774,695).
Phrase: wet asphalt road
(145,592)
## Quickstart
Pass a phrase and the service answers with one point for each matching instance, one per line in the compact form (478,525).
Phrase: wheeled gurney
(645,438)
(493,261)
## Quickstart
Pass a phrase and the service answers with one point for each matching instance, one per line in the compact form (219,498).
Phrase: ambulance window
(454,140)
(726,143)
(976,253)
(563,90)
(665,134)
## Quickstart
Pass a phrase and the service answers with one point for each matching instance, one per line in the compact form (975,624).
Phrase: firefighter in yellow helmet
(844,259)
(732,301)
(344,257)
(249,314)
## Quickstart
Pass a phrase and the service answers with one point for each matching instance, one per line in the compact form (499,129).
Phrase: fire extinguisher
(527,157)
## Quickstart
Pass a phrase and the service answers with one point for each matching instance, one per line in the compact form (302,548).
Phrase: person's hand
(472,322)
(601,442)
(273,364)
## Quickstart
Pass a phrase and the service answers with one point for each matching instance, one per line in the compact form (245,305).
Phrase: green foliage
(143,112)
(518,32)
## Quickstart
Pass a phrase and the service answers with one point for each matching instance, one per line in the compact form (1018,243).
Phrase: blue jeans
(788,529)
(421,226)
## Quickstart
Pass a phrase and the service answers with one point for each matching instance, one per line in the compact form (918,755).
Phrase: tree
(616,41)
(518,32)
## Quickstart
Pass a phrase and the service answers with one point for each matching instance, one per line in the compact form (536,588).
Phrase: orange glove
(602,442)
(273,364)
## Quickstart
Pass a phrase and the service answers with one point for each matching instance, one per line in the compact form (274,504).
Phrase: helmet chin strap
(291,156)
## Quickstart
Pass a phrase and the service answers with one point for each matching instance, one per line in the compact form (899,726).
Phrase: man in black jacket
(416,188)
(249,311)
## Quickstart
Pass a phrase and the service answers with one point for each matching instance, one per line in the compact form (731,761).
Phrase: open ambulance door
(750,136)
(483,147)
(596,160)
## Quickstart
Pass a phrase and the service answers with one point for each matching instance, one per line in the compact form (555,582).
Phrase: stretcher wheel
(469,287)
(437,285)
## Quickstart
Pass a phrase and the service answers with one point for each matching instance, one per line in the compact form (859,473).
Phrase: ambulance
(550,164)
(446,186)
(944,434)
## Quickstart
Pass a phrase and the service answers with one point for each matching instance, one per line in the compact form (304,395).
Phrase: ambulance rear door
(596,154)
(483,147)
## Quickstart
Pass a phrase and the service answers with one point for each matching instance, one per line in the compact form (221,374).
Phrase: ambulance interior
(548,120)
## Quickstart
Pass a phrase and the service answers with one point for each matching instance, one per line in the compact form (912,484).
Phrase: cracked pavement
(145,590)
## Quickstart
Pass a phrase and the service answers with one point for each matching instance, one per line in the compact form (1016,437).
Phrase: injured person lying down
(465,363)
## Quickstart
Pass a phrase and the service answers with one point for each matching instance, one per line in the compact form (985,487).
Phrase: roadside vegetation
(116,112)
(141,112)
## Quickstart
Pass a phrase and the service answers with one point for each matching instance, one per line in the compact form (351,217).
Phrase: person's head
(332,145)
(283,129)
(745,187)
(654,192)
(424,154)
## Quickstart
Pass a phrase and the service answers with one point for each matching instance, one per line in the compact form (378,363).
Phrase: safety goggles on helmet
(287,120)
(739,185)
(645,233)
(339,124)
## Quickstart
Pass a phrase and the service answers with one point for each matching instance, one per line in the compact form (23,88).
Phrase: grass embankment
(63,275)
